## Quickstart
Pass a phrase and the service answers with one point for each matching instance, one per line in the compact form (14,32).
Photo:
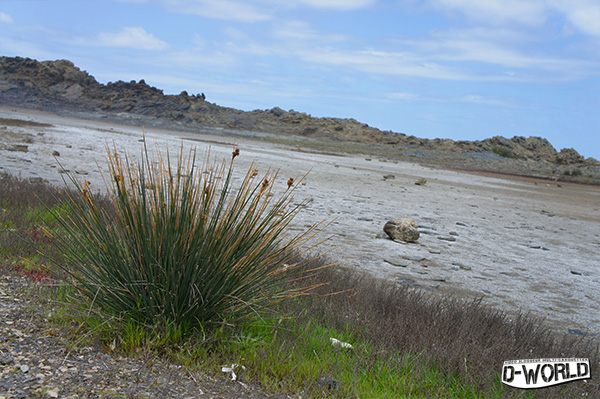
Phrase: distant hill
(60,85)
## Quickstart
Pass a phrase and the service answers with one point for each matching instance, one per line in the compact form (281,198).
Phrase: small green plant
(503,152)
(180,247)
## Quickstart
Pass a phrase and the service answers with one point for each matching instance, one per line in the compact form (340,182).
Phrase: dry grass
(460,337)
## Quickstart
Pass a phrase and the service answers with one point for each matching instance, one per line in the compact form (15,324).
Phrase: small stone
(575,273)
(461,224)
(19,148)
(446,238)
(52,393)
(55,153)
(414,258)
(395,263)
(389,177)
(69,146)
(402,229)
(5,359)
(461,266)
(329,383)
(421,182)
(453,233)
(434,251)
(24,368)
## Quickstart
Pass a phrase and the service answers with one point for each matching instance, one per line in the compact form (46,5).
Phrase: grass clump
(180,246)
(503,152)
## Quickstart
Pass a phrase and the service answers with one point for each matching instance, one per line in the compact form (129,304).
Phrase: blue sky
(460,69)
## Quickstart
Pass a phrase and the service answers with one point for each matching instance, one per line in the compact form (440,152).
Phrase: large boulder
(403,229)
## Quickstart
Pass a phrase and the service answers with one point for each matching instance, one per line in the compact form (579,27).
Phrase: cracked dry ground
(37,362)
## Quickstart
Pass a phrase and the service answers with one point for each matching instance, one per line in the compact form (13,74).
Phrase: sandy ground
(520,244)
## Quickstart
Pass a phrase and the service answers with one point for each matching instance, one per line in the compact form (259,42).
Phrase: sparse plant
(503,152)
(180,246)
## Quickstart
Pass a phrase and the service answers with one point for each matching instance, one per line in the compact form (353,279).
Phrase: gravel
(36,361)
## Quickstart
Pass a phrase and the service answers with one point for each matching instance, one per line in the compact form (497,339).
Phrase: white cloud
(495,54)
(382,62)
(5,18)
(336,4)
(132,37)
(584,15)
(300,30)
(231,10)
(401,96)
(495,102)
(526,12)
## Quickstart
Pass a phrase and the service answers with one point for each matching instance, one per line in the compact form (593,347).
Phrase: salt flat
(519,244)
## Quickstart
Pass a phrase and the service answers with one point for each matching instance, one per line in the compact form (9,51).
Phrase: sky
(459,69)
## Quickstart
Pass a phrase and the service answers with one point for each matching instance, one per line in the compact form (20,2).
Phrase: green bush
(503,152)
(179,246)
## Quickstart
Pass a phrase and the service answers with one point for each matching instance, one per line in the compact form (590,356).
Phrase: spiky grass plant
(181,246)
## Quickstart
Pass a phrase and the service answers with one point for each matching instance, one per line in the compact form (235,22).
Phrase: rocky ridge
(60,85)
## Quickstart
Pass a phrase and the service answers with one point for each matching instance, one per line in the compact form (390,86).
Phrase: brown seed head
(265,184)
(235,153)
(290,182)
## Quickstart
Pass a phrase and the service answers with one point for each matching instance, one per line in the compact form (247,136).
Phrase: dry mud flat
(521,244)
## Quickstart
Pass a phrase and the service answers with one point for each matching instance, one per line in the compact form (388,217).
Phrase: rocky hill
(59,85)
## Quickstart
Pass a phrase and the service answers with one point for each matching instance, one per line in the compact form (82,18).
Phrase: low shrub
(181,247)
(503,152)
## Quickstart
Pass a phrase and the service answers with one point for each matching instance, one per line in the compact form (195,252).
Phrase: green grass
(294,355)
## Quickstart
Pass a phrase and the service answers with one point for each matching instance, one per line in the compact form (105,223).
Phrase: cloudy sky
(460,69)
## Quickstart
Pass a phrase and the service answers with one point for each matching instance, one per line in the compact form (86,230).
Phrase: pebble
(461,266)
(414,258)
(446,238)
(539,247)
(395,263)
(5,360)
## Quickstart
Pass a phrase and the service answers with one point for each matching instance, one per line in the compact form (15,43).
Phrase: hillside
(61,87)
